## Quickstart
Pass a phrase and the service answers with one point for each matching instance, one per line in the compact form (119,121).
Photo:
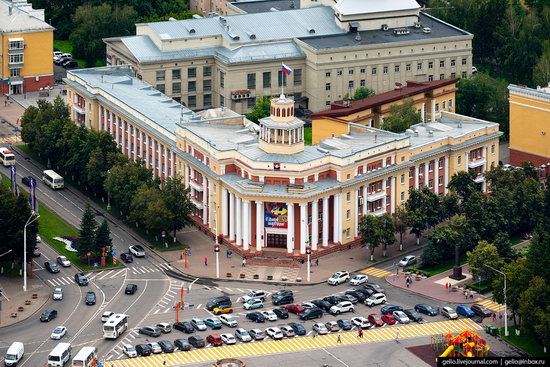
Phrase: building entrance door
(276,240)
(16,88)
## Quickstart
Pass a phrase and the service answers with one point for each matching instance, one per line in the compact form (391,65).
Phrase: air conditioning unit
(385,27)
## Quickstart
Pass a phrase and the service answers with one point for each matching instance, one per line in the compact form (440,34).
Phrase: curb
(31,314)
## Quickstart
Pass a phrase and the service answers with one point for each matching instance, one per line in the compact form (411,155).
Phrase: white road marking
(117,273)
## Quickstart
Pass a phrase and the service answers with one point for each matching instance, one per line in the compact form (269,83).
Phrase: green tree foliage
(93,23)
(504,246)
(401,222)
(362,93)
(462,183)
(422,210)
(541,71)
(261,109)
(103,236)
(371,233)
(533,302)
(178,203)
(387,231)
(149,208)
(86,239)
(444,238)
(179,15)
(529,202)
(401,117)
(449,206)
(483,254)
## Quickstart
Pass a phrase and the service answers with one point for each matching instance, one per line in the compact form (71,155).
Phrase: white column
(124,135)
(283,136)
(165,153)
(392,195)
(290,229)
(433,111)
(325,221)
(204,200)
(134,151)
(384,199)
(423,112)
(104,119)
(239,220)
(314,224)
(259,225)
(246,225)
(232,216)
(117,122)
(365,194)
(426,173)
(172,161)
(446,174)
(141,143)
(336,224)
(147,151)
(436,176)
(208,215)
(154,151)
(111,127)
(223,208)
(356,213)
(339,211)
(159,158)
(303,225)
(416,175)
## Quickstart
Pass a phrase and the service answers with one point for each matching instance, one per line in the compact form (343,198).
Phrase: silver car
(449,313)
(57,294)
(257,334)
(242,335)
(288,331)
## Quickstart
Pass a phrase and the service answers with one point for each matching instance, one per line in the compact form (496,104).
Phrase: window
(348,214)
(430,65)
(411,173)
(464,61)
(362,82)
(14,72)
(396,68)
(408,67)
(430,166)
(191,86)
(297,76)
(373,72)
(192,101)
(419,66)
(431,184)
(327,103)
(176,88)
(207,71)
(348,196)
(339,72)
(16,45)
(437,107)
(282,79)
(327,74)
(207,100)
(222,79)
(347,233)
(327,86)
(453,63)
(363,70)
(350,84)
(443,105)
(440,180)
(453,75)
(459,159)
(442,64)
(207,85)
(160,87)
(430,78)
(192,72)
(385,69)
(251,102)
(402,179)
(450,104)
(160,75)
(222,101)
(402,195)
(350,72)
(267,79)
(251,81)
(176,74)
(463,75)
(493,149)
(441,76)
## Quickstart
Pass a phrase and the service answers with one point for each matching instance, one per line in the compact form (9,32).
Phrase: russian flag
(285,69)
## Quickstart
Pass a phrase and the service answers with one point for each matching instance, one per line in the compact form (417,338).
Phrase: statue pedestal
(457,273)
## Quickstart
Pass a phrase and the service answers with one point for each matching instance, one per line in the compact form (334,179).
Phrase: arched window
(284,112)
(278,110)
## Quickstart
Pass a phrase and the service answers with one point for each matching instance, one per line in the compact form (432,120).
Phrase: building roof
(18,20)
(353,7)
(262,6)
(412,88)
(439,29)
(541,93)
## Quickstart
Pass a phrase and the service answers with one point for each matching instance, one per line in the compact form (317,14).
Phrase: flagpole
(282,81)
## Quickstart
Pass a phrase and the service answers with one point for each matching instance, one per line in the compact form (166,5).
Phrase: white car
(401,317)
(106,315)
(57,55)
(344,306)
(57,294)
(407,261)
(320,328)
(137,250)
(274,333)
(228,338)
(38,239)
(269,315)
(155,347)
(360,322)
(129,350)
(228,320)
(474,70)
(164,327)
(59,332)
(288,331)
(255,294)
(449,312)
(338,278)
(253,303)
(243,335)
(359,279)
(376,299)
(63,261)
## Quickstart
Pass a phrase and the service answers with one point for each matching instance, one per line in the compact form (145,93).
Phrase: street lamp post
(308,252)
(216,244)
(505,308)
(31,219)
(108,194)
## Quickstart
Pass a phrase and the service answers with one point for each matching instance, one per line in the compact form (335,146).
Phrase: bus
(7,157)
(60,355)
(115,326)
(86,357)
(52,179)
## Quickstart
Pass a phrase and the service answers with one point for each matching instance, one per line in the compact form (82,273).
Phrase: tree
(401,222)
(444,238)
(533,302)
(86,239)
(148,208)
(483,254)
(542,328)
(449,206)
(538,258)
(369,228)
(529,202)
(541,71)
(462,183)
(504,246)
(475,210)
(178,203)
(401,117)
(103,236)
(423,211)
(261,109)
(387,231)
(362,93)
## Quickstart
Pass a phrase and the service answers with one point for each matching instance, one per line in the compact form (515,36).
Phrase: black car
(413,315)
(182,345)
(333,300)
(90,298)
(61,60)
(281,313)
(196,341)
(299,329)
(27,181)
(311,313)
(375,288)
(218,302)
(184,326)
(282,292)
(70,64)
(143,350)
(360,296)
(130,289)
(367,292)
(344,324)
(283,299)
(127,257)
(347,297)
(80,279)
(255,316)
(48,315)
(166,346)
(426,309)
(150,331)
(481,310)
(51,267)
(390,308)
(322,304)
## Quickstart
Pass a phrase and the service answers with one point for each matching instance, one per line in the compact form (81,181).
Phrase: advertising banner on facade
(276,215)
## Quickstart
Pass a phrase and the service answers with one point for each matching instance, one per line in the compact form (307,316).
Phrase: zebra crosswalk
(9,139)
(493,306)
(376,272)
(142,269)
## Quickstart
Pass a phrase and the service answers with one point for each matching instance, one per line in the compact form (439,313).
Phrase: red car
(388,319)
(214,339)
(375,319)
(294,308)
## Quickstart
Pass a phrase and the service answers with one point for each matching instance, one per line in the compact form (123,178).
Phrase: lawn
(307,135)
(482,287)
(440,268)
(66,47)
(525,342)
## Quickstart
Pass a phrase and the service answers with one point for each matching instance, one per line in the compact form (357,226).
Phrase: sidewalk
(14,297)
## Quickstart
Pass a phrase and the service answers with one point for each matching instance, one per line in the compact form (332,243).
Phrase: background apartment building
(334,48)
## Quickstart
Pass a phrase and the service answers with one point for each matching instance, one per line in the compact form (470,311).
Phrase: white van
(52,179)
(14,354)
(60,355)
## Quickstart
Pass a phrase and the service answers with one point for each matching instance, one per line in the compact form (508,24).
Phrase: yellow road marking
(493,306)
(375,272)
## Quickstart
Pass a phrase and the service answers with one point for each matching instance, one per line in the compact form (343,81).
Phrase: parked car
(90,298)
(281,313)
(106,315)
(283,299)
(413,315)
(332,326)
(166,346)
(341,307)
(26,180)
(390,308)
(310,314)
(130,289)
(338,278)
(426,309)
(51,267)
(57,294)
(198,324)
(222,309)
(80,279)
(401,317)
(61,60)
(70,64)
(288,331)
(129,350)
(228,338)
(243,335)
(307,305)
(219,302)
(299,329)
(359,279)
(182,345)
(333,300)
(150,331)
(184,326)
(322,304)
(36,252)
(63,261)
(464,310)
(359,296)
(320,328)
(294,308)
(228,320)
(481,310)
(374,287)
(48,315)
(361,322)
(274,333)
(347,297)
(253,303)
(164,327)
(214,339)
(376,299)
(366,292)
(389,319)
(255,316)
(255,294)
(137,250)
(344,324)
(143,350)
(407,261)
(257,334)
(269,315)
(282,292)
(375,319)
(213,322)
(196,341)
(58,332)
(449,313)
(127,257)
(155,347)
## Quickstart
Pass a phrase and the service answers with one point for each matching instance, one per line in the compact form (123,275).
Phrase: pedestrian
(494,317)
(397,335)
(466,294)
(314,334)
(227,253)
(164,363)
(361,333)
(205,261)
(408,282)
(230,253)
(317,262)
(338,340)
(244,262)
(446,285)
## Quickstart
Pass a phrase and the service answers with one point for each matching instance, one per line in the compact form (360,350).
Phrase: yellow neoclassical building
(258,185)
